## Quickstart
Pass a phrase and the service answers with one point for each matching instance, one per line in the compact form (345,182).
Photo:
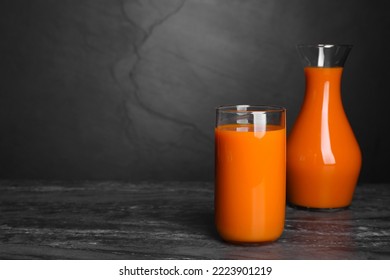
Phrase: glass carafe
(323,155)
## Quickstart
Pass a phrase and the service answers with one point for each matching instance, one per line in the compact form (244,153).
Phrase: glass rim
(324,45)
(249,108)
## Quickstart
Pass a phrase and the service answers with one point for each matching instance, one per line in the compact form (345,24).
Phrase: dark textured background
(102,89)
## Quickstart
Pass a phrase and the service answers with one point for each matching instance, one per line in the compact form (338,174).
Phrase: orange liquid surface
(323,156)
(250,190)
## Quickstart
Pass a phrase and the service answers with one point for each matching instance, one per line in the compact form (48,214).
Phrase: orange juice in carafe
(323,155)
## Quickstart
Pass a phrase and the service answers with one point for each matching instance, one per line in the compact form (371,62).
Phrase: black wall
(102,89)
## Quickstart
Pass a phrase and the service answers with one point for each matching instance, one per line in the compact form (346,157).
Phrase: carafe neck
(321,80)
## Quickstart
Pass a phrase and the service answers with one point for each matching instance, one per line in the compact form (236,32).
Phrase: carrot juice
(250,183)
(323,156)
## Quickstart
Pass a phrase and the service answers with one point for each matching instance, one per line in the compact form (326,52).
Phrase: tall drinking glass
(250,173)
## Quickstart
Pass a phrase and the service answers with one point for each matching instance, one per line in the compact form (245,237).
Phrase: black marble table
(173,220)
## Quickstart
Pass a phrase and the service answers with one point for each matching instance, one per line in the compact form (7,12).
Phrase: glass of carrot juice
(250,173)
